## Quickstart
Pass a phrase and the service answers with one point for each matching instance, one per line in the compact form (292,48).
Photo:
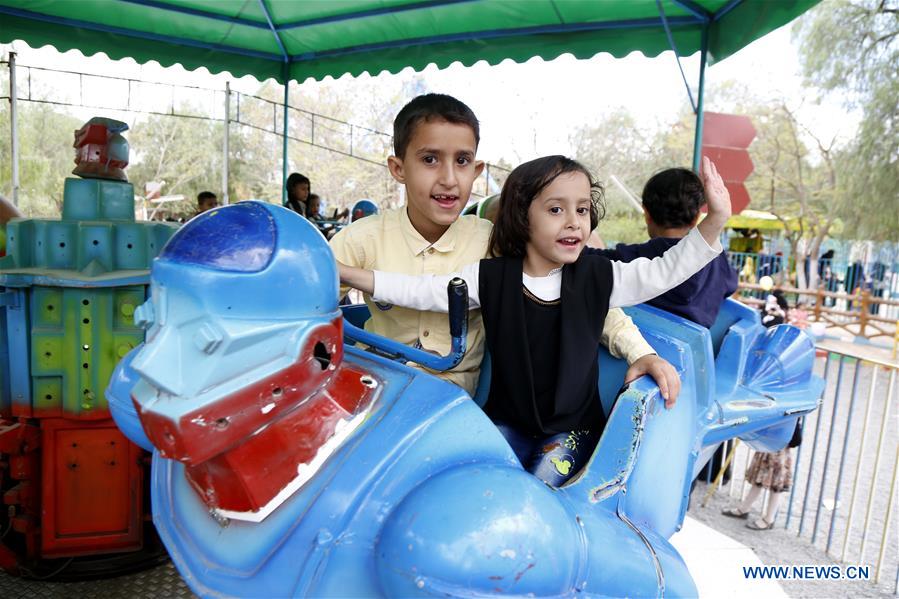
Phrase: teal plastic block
(98,199)
(80,279)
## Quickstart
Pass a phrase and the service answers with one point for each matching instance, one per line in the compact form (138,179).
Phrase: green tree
(46,156)
(797,183)
(851,47)
(184,153)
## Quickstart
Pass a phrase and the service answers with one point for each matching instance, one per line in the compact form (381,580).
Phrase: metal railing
(844,495)
(73,89)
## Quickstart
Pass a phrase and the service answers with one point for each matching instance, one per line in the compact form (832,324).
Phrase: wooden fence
(857,318)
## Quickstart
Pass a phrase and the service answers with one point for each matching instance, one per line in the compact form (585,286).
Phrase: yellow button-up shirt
(388,242)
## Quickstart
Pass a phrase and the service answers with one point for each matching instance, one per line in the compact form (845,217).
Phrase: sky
(526,110)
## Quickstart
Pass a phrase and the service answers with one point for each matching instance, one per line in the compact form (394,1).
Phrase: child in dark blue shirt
(671,203)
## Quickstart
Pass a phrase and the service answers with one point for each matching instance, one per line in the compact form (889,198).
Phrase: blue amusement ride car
(290,461)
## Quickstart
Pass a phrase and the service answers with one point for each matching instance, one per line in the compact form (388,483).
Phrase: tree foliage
(46,156)
(851,47)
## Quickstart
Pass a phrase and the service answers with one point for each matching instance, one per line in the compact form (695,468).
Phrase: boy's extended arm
(419,292)
(348,251)
(357,278)
(623,338)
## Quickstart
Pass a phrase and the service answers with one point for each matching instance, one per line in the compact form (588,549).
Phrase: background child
(671,202)
(206,200)
(543,392)
(314,209)
(435,139)
(298,187)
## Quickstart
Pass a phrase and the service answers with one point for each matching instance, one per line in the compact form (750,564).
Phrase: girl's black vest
(586,287)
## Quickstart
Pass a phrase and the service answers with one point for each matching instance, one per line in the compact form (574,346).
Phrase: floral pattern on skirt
(773,471)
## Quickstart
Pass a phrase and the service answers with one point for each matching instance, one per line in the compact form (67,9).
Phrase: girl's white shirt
(634,282)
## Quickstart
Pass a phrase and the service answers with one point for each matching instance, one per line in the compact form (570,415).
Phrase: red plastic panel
(725,139)
(91,489)
(727,130)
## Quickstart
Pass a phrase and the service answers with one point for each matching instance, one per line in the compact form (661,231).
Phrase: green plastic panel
(77,338)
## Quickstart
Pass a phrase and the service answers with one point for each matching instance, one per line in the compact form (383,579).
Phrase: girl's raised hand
(718,200)
(716,194)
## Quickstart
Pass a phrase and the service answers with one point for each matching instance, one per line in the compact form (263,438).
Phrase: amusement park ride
(72,484)
(287,461)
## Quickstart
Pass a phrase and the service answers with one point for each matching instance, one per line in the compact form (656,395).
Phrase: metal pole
(284,147)
(14,128)
(886,521)
(833,418)
(883,425)
(697,140)
(858,462)
(225,152)
(795,476)
(811,461)
(836,496)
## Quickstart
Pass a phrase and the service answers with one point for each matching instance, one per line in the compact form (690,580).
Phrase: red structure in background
(725,140)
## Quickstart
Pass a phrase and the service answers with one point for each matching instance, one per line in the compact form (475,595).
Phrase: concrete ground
(776,547)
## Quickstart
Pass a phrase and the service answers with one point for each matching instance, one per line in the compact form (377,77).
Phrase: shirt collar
(419,244)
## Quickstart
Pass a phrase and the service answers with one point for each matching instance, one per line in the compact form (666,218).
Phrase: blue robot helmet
(363,208)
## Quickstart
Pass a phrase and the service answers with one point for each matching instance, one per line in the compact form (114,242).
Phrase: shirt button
(430,250)
(426,333)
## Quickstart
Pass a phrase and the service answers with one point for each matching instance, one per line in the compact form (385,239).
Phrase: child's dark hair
(295,179)
(511,232)
(431,107)
(205,195)
(673,197)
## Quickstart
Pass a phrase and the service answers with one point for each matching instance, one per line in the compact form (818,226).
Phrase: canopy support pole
(286,74)
(225,141)
(14,128)
(700,100)
(284,136)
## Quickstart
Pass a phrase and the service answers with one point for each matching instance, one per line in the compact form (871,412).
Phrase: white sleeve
(424,292)
(643,279)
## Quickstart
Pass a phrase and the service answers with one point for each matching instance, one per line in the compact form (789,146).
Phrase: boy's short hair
(205,195)
(673,197)
(431,107)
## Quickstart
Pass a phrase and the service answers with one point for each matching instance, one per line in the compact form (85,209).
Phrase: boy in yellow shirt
(435,139)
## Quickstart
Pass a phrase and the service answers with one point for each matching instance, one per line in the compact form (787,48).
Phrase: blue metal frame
(295,24)
(676,53)
(694,9)
(371,13)
(492,34)
(27,14)
(700,104)
(286,74)
(271,26)
(726,9)
(197,13)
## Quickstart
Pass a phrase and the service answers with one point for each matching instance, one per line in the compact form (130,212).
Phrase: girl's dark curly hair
(511,231)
